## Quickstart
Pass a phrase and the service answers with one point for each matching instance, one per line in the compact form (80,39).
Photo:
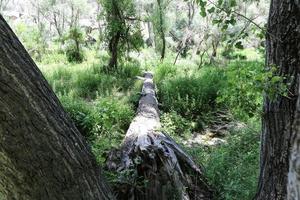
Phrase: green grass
(103,105)
(189,98)
(232,169)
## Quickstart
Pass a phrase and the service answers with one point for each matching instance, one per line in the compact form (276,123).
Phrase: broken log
(151,166)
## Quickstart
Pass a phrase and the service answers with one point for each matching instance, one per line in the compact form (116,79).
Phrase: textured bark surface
(158,168)
(283,52)
(294,171)
(42,154)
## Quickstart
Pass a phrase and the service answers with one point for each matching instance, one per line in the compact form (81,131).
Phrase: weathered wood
(152,157)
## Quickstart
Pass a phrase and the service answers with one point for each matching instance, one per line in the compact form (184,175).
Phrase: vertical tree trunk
(283,49)
(161,29)
(294,171)
(113,50)
(42,154)
(116,20)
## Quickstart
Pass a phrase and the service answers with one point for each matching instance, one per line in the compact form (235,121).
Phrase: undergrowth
(102,106)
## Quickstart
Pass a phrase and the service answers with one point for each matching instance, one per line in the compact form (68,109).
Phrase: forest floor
(216,134)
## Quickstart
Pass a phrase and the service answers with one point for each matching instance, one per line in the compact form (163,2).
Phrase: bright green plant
(245,85)
(233,168)
(241,94)
(33,40)
(122,32)
(74,41)
(193,97)
(175,125)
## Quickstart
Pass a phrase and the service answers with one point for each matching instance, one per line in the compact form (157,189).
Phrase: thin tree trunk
(161,30)
(283,49)
(42,154)
(115,17)
(156,167)
(113,49)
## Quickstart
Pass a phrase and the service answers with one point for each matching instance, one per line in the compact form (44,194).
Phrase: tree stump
(151,166)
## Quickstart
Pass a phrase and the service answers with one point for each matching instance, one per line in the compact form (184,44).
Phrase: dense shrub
(74,41)
(232,169)
(175,125)
(191,96)
(73,54)
(78,110)
(163,71)
(88,85)
(111,116)
(242,92)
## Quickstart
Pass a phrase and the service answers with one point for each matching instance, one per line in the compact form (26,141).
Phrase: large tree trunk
(283,49)
(42,154)
(294,171)
(155,166)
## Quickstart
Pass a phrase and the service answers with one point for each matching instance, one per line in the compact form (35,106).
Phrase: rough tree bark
(158,167)
(42,154)
(283,49)
(294,170)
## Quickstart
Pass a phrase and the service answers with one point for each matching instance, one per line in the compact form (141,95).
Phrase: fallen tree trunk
(150,164)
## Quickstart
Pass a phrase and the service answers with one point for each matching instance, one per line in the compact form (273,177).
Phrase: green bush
(78,110)
(163,71)
(74,41)
(191,96)
(110,116)
(33,39)
(242,92)
(74,55)
(88,84)
(232,169)
(111,119)
(61,80)
(175,125)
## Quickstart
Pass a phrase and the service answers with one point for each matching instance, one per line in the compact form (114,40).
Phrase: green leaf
(203,12)
(211,10)
(239,45)
(216,21)
(232,3)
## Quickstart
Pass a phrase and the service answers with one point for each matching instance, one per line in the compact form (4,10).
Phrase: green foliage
(88,82)
(175,125)
(110,116)
(245,85)
(74,41)
(164,70)
(122,28)
(159,23)
(192,96)
(241,93)
(233,168)
(272,83)
(78,110)
(33,39)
